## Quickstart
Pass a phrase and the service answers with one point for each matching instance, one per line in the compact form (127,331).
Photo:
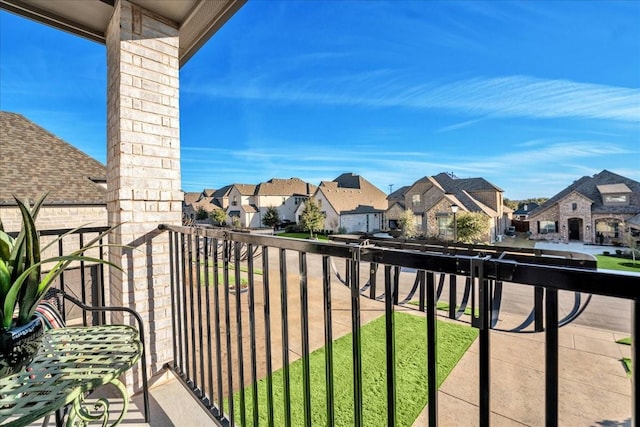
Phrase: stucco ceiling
(197,20)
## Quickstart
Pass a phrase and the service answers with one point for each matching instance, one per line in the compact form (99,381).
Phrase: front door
(574,228)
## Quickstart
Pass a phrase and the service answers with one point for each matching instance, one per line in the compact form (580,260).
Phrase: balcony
(546,352)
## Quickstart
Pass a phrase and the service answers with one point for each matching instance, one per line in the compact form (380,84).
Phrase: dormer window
(616,199)
(614,194)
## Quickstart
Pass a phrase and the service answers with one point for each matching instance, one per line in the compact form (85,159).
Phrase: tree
(472,227)
(311,219)
(218,216)
(407,222)
(271,217)
(201,214)
(513,204)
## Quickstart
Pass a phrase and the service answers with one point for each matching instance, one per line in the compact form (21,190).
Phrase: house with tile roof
(33,161)
(350,203)
(593,209)
(430,199)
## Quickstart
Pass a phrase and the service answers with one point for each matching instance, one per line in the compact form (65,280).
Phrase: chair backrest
(50,315)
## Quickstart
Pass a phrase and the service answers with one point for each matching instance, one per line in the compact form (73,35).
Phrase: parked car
(510,231)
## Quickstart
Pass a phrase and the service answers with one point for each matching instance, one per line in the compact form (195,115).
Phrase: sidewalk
(593,388)
(575,247)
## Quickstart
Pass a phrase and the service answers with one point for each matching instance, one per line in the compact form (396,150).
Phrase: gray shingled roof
(285,187)
(530,207)
(349,191)
(33,161)
(221,192)
(455,185)
(362,209)
(588,187)
(398,195)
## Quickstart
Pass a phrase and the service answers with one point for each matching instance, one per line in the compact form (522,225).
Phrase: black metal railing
(83,280)
(218,292)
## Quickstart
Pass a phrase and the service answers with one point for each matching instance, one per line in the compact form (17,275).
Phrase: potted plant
(22,287)
(244,286)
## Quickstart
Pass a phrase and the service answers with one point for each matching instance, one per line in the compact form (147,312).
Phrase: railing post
(356,344)
(477,274)
(538,304)
(635,358)
(432,351)
(551,358)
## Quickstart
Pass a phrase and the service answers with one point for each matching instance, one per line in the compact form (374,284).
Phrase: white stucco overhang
(197,20)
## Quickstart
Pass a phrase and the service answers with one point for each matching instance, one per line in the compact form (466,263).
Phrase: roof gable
(28,153)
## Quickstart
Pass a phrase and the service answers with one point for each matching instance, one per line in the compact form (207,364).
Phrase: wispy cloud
(511,96)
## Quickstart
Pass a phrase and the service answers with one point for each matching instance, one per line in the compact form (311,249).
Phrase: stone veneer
(143,166)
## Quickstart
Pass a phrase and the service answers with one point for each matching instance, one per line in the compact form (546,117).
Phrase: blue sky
(529,95)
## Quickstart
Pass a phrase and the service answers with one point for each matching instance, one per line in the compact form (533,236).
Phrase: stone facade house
(593,209)
(350,203)
(430,199)
(34,162)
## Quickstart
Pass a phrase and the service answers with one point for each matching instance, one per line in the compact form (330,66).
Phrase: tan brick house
(593,209)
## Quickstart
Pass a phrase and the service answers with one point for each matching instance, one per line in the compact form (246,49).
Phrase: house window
(445,227)
(574,206)
(608,228)
(415,199)
(615,199)
(545,227)
(234,202)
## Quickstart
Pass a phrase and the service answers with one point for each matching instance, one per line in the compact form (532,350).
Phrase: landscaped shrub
(294,228)
(605,253)
(618,252)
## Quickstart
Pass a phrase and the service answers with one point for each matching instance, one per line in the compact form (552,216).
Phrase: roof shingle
(33,162)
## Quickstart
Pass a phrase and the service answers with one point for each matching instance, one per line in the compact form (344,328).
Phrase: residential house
(249,202)
(592,209)
(350,203)
(283,194)
(430,199)
(208,200)
(396,208)
(242,205)
(522,213)
(34,162)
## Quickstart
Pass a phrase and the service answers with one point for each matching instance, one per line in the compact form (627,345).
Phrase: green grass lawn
(445,307)
(302,236)
(614,263)
(411,375)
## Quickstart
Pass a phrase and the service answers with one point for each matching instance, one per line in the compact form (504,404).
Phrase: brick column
(143,166)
